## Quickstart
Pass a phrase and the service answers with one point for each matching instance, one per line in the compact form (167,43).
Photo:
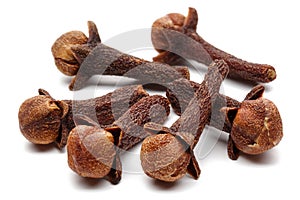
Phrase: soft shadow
(40,148)
(66,80)
(88,183)
(43,148)
(160,185)
(268,88)
(270,157)
(243,82)
(249,84)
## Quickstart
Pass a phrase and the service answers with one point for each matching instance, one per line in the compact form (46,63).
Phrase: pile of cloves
(96,131)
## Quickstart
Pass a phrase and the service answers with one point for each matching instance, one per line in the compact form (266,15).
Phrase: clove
(90,57)
(44,120)
(168,156)
(94,152)
(254,125)
(175,38)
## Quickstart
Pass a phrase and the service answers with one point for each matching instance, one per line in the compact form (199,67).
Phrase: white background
(258,31)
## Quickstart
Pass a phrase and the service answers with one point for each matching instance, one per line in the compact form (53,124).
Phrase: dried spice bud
(175,36)
(95,58)
(62,53)
(254,124)
(39,119)
(44,120)
(91,151)
(168,159)
(94,152)
(164,146)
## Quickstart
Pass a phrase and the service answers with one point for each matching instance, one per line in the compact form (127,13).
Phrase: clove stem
(105,110)
(175,37)
(95,58)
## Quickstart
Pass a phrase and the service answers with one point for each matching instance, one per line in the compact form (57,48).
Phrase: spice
(130,125)
(91,57)
(169,155)
(254,124)
(44,120)
(91,151)
(175,37)
(94,152)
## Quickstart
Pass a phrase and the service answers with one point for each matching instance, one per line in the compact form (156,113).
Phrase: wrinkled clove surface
(169,155)
(181,91)
(91,57)
(254,124)
(130,126)
(44,120)
(175,37)
(94,152)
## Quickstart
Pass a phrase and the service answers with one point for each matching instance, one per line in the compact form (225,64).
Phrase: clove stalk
(91,57)
(100,148)
(44,120)
(261,118)
(169,155)
(176,39)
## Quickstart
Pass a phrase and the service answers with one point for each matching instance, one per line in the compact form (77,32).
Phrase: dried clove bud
(175,37)
(39,119)
(44,120)
(94,152)
(91,151)
(94,58)
(254,124)
(169,155)
(64,58)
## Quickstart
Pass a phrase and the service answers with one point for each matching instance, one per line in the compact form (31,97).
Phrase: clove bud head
(257,126)
(91,151)
(62,52)
(164,157)
(40,119)
(173,21)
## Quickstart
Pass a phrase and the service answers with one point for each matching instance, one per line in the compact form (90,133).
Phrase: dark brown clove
(94,152)
(254,124)
(175,37)
(130,125)
(44,120)
(181,91)
(91,57)
(169,155)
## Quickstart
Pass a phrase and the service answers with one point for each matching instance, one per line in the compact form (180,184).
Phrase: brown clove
(94,152)
(254,124)
(168,156)
(44,120)
(175,37)
(90,57)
